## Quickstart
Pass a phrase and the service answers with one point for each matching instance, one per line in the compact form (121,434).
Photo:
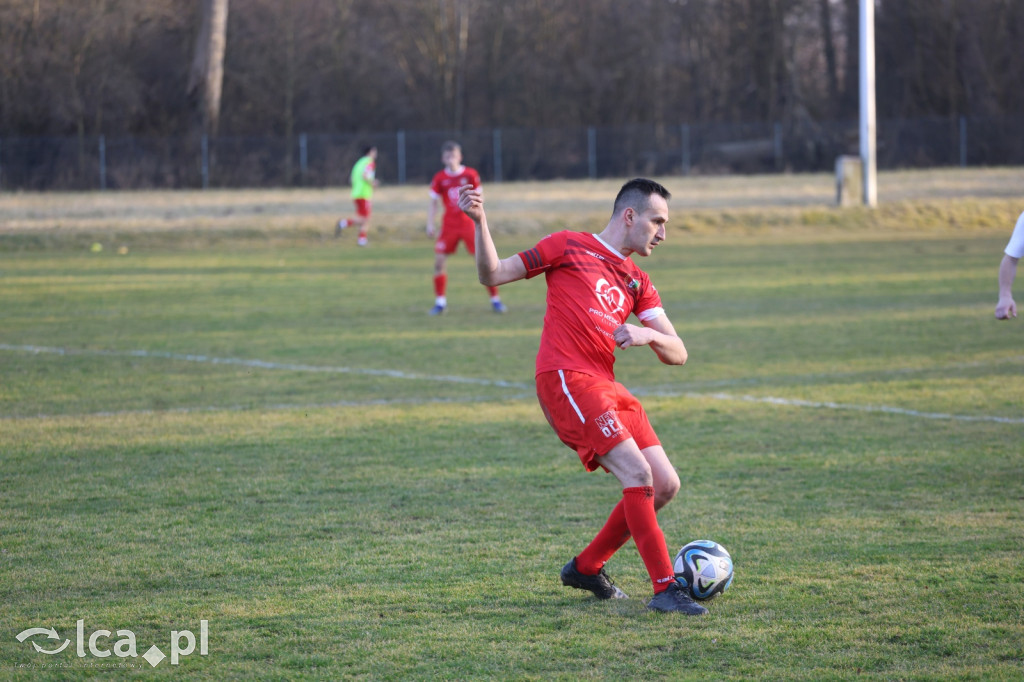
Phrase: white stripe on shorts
(565,389)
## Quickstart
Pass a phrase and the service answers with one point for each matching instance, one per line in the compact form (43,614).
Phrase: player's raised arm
(491,270)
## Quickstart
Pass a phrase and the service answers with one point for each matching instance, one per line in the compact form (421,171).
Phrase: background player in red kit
(456,226)
(593,288)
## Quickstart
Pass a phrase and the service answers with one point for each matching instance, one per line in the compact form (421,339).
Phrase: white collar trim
(608,246)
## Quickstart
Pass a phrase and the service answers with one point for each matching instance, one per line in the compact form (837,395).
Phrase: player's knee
(665,489)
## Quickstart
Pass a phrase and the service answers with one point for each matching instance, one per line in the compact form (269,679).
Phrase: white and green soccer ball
(704,568)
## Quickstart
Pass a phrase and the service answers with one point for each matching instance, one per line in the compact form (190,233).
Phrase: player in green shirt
(363,179)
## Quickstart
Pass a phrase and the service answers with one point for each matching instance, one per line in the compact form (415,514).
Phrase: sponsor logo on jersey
(611,297)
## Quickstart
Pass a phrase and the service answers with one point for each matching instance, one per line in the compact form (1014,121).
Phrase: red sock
(493,291)
(440,284)
(638,505)
(608,541)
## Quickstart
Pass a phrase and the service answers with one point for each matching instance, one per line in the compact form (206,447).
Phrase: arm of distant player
(370,175)
(1006,307)
(432,214)
(491,270)
(659,334)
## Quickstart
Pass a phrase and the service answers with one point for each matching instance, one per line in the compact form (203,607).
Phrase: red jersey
(446,185)
(592,289)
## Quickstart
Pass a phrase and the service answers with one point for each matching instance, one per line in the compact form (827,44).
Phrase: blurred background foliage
(92,67)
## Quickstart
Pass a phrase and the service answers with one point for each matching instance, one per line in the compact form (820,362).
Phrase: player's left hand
(1006,309)
(626,335)
(471,201)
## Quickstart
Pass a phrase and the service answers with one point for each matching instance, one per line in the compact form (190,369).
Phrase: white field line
(395,374)
(829,405)
(263,364)
(831,376)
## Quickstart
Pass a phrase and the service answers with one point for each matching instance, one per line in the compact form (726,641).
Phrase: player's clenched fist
(471,201)
(627,335)
(1006,308)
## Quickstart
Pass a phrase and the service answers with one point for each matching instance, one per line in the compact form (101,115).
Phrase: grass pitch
(244,421)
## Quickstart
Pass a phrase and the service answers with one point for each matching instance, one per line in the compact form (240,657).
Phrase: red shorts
(450,237)
(592,415)
(363,207)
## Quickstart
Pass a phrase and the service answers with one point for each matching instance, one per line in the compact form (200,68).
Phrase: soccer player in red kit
(593,288)
(456,226)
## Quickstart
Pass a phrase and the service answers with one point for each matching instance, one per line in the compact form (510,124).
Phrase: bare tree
(851,62)
(207,76)
(832,77)
(974,72)
(454,32)
(90,67)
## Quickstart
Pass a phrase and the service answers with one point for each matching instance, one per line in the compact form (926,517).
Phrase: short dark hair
(450,146)
(636,194)
(368,148)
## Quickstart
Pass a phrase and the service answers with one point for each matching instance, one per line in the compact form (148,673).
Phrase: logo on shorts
(608,424)
(611,297)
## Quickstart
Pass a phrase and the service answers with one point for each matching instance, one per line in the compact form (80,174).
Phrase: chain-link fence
(500,154)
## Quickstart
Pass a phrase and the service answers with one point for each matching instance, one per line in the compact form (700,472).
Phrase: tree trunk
(851,63)
(825,17)
(207,74)
(974,72)
(461,51)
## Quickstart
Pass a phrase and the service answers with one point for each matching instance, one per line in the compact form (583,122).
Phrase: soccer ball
(704,568)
